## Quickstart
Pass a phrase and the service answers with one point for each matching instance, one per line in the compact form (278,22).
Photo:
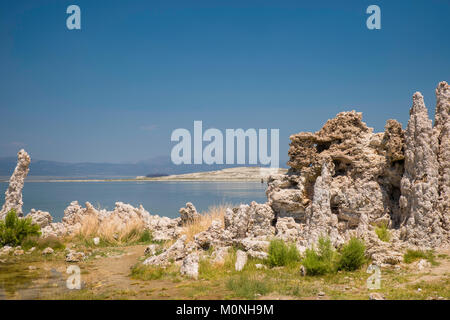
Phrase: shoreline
(239,174)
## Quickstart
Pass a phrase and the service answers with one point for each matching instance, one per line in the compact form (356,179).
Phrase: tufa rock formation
(189,213)
(345,179)
(13,196)
(420,218)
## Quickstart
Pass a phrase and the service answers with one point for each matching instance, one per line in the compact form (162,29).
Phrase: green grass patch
(383,233)
(142,272)
(246,286)
(42,243)
(281,254)
(414,255)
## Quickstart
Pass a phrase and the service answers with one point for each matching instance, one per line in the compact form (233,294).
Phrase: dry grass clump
(111,230)
(203,222)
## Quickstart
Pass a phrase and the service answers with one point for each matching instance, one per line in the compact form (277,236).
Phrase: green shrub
(352,255)
(322,261)
(13,230)
(146,237)
(383,233)
(281,254)
(414,255)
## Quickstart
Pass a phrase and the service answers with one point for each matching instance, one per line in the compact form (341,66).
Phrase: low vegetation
(42,243)
(248,286)
(320,261)
(13,230)
(383,233)
(281,254)
(352,255)
(325,259)
(340,276)
(414,255)
(112,232)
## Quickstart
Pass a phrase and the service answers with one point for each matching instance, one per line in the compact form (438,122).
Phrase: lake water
(162,198)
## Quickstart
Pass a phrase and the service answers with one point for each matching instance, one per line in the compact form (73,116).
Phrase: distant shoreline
(240,174)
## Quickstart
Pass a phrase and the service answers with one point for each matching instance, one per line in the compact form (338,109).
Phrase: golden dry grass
(204,221)
(111,229)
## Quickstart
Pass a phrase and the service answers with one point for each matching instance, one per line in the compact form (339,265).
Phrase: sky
(137,70)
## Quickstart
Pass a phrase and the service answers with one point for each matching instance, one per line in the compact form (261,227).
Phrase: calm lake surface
(161,198)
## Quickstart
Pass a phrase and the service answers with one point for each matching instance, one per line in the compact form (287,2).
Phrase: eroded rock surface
(41,218)
(189,266)
(345,179)
(162,228)
(419,185)
(13,195)
(189,213)
(176,252)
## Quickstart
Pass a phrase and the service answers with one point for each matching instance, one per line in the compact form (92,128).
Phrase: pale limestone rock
(175,252)
(189,213)
(152,249)
(376,296)
(423,264)
(219,254)
(286,195)
(74,256)
(288,230)
(344,179)
(441,131)
(253,244)
(214,236)
(262,255)
(419,185)
(162,228)
(47,251)
(190,265)
(241,260)
(6,250)
(18,252)
(41,218)
(13,195)
(254,220)
(322,222)
(57,229)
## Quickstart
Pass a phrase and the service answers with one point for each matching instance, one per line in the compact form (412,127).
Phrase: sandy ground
(107,276)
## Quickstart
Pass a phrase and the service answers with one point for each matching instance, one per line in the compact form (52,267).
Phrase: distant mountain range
(155,166)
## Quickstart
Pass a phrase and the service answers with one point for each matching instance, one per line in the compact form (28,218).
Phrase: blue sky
(115,90)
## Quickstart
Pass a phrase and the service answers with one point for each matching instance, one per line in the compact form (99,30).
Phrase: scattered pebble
(376,296)
(18,252)
(48,251)
(302,271)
